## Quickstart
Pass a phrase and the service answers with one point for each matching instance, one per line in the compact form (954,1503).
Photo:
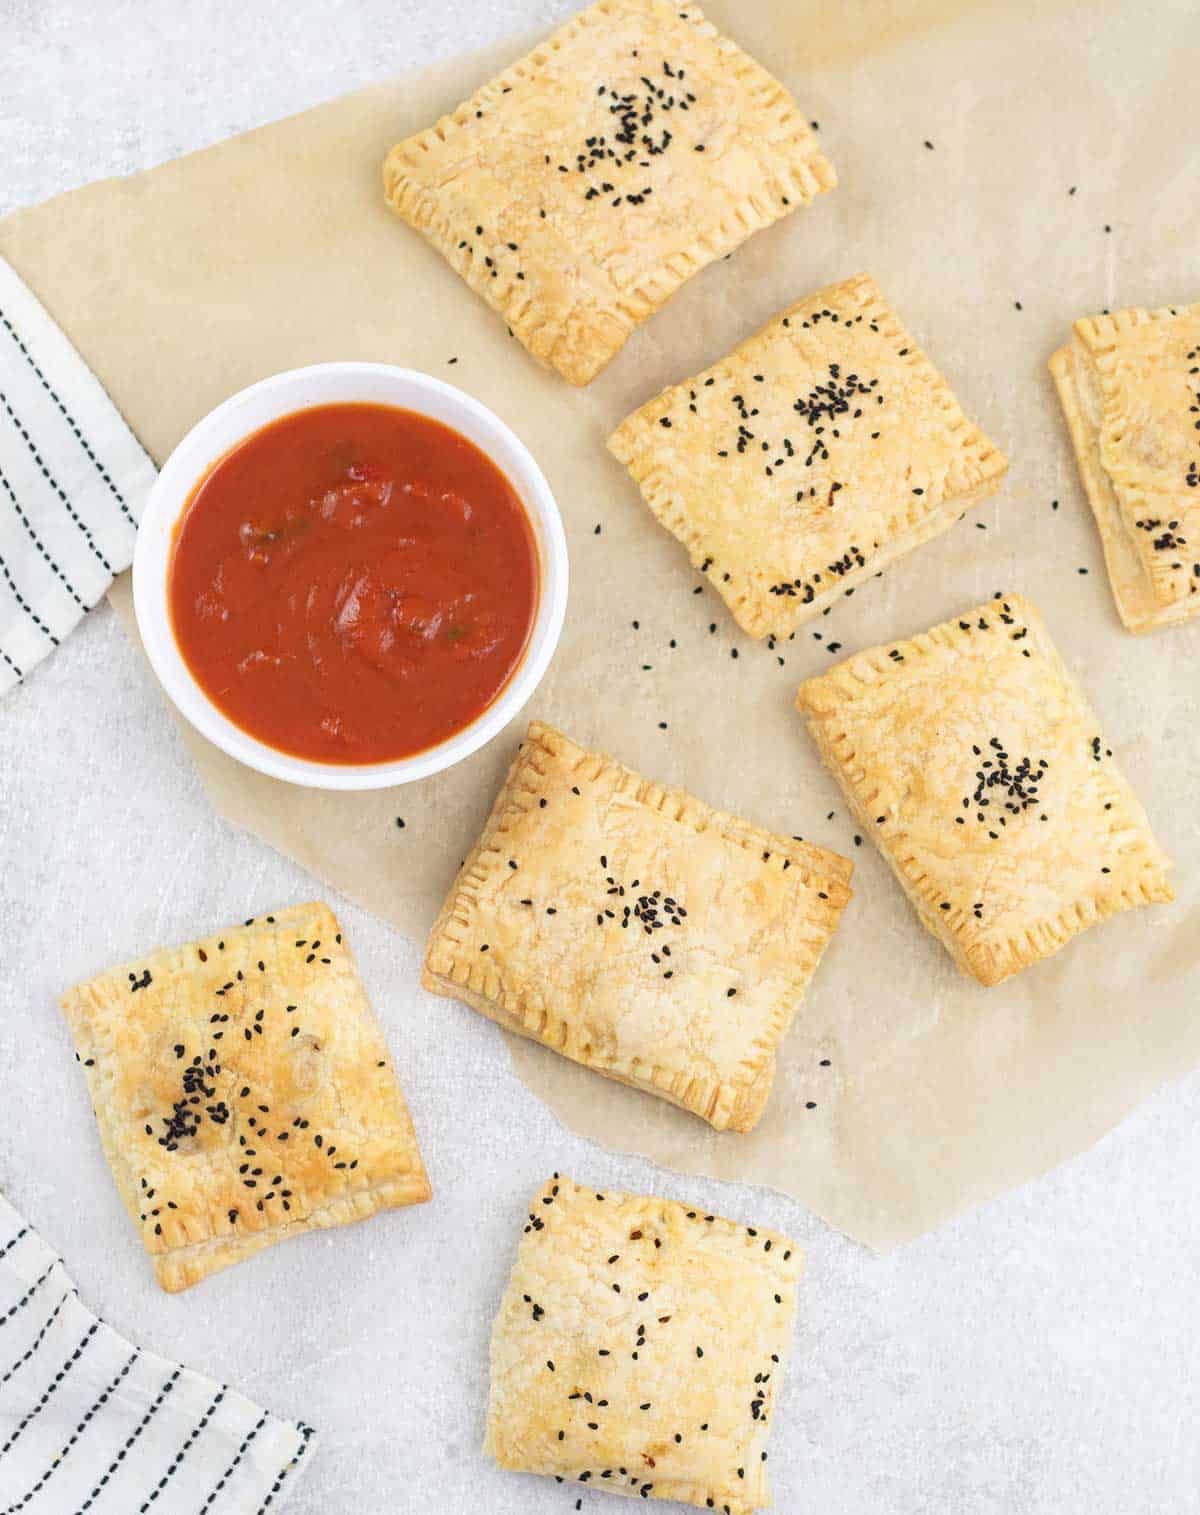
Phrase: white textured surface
(1038,1358)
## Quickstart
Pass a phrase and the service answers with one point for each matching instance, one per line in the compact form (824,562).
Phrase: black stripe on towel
(38,1339)
(32,1289)
(306,1432)
(129,1441)
(183,1451)
(229,1471)
(68,418)
(37,542)
(25,605)
(12,1241)
(60,1456)
(56,486)
(54,1384)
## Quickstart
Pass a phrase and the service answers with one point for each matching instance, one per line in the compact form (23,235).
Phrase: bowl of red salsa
(350,576)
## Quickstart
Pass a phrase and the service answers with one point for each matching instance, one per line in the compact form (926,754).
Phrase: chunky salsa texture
(353,583)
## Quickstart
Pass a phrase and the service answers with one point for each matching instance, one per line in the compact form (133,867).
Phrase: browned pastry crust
(633,928)
(819,451)
(641,1347)
(244,1092)
(1130,389)
(970,756)
(581,187)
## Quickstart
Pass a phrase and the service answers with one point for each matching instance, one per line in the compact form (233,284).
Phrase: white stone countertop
(1039,1357)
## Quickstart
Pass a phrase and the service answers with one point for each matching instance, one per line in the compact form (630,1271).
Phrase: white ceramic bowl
(325,384)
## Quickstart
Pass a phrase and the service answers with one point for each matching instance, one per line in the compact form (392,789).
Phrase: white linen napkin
(73,479)
(91,1423)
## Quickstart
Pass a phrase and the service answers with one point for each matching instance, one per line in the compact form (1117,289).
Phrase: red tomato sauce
(353,583)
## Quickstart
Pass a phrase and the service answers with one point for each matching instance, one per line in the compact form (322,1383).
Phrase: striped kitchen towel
(73,479)
(89,1422)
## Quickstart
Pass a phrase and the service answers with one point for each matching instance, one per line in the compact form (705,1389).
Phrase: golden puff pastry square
(641,1347)
(578,190)
(244,1092)
(819,451)
(637,930)
(1129,384)
(970,756)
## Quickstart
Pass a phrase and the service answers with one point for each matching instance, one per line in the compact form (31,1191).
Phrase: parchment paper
(958,131)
